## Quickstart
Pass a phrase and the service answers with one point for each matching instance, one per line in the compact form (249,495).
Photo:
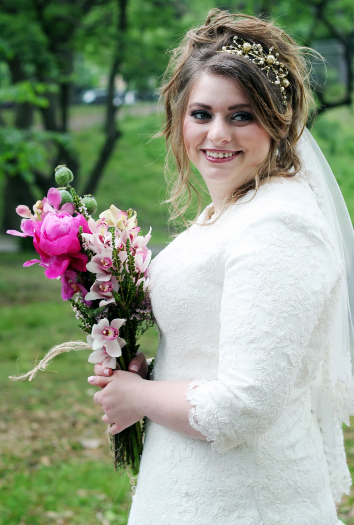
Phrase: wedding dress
(244,309)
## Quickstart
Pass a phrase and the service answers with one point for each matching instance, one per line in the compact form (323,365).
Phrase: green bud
(63,175)
(65,196)
(90,203)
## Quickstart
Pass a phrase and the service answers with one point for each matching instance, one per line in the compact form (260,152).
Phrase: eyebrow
(209,107)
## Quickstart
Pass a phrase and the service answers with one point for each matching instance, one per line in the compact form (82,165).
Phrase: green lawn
(55,465)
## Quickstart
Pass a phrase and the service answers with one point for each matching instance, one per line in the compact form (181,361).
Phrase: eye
(242,116)
(200,115)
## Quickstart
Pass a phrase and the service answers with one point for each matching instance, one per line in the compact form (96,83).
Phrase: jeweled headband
(266,62)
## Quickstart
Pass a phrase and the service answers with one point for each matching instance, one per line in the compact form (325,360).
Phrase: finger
(114,429)
(97,398)
(107,420)
(99,380)
(138,364)
(100,370)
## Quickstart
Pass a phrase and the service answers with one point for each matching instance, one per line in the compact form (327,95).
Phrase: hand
(119,399)
(138,361)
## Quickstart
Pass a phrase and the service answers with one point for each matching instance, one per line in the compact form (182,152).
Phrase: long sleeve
(280,273)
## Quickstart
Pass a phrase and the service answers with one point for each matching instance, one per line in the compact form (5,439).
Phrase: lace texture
(244,308)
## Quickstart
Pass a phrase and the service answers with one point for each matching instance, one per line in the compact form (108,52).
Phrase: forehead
(214,90)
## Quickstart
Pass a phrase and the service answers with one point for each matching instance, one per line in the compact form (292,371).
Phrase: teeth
(217,155)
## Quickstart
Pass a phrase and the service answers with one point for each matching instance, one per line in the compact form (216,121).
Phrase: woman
(244,414)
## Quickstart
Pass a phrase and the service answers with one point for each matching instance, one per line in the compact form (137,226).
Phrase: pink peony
(50,204)
(55,240)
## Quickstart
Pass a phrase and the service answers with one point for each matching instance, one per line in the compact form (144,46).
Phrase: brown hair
(198,53)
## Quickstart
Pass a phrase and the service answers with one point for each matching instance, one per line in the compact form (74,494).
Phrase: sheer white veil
(333,390)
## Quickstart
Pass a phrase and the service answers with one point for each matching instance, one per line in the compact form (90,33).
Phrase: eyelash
(241,113)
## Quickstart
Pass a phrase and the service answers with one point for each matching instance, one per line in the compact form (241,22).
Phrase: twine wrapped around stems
(53,352)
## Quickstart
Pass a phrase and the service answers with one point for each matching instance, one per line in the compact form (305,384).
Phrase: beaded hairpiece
(267,62)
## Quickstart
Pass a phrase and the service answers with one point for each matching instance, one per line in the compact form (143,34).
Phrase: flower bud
(90,203)
(65,196)
(63,175)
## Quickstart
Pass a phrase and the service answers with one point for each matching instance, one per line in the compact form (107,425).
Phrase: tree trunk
(111,131)
(16,192)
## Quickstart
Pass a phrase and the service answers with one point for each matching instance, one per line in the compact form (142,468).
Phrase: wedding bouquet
(102,266)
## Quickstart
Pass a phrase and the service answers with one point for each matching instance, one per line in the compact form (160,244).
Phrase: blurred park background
(79,86)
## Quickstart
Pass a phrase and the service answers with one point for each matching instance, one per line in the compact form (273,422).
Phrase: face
(221,135)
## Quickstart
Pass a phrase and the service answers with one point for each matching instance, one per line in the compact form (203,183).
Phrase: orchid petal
(108,301)
(117,323)
(24,211)
(97,356)
(54,197)
(31,262)
(91,296)
(16,233)
(68,208)
(110,362)
(98,342)
(92,225)
(121,342)
(112,348)
(99,326)
(123,256)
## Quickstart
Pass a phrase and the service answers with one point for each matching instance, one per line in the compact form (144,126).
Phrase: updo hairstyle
(199,52)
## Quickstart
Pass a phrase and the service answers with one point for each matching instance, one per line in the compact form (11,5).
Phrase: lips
(218,160)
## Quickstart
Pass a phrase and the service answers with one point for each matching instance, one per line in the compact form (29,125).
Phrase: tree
(39,39)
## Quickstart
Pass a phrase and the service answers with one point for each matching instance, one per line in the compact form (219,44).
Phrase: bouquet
(102,266)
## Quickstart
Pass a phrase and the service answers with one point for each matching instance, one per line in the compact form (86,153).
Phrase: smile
(220,156)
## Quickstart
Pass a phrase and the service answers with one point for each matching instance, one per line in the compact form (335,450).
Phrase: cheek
(261,144)
(191,137)
(266,143)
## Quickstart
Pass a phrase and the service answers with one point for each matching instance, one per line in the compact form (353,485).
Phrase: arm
(126,398)
(280,274)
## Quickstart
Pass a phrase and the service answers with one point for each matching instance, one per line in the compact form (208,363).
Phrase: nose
(219,131)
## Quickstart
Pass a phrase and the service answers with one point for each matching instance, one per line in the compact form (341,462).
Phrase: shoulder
(283,212)
(281,200)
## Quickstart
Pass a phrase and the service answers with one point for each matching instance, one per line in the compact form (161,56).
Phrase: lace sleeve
(279,274)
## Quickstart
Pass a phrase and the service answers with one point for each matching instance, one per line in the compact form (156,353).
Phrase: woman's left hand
(119,399)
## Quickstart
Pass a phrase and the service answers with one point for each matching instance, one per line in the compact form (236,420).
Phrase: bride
(252,377)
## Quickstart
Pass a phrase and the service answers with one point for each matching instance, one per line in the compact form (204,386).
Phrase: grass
(55,465)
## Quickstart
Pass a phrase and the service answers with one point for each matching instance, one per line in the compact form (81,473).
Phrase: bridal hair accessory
(267,62)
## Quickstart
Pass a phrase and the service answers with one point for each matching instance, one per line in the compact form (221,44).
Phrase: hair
(199,52)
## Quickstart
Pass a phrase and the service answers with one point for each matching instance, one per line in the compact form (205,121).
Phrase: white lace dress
(244,308)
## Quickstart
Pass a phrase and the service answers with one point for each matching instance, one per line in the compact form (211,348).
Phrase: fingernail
(134,368)
(106,371)
(91,379)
